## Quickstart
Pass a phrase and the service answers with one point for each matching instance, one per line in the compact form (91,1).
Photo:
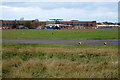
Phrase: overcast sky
(82,11)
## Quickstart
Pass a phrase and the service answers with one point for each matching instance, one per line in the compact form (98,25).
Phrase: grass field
(22,60)
(61,34)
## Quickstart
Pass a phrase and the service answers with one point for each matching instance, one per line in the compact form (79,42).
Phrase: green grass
(21,60)
(61,34)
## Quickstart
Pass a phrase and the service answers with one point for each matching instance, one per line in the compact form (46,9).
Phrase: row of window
(80,24)
(10,24)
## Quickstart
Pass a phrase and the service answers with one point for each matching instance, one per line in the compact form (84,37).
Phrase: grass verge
(22,60)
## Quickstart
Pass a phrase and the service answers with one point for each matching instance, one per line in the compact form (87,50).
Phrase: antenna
(56,20)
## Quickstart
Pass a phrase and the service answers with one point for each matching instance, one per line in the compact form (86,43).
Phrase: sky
(82,11)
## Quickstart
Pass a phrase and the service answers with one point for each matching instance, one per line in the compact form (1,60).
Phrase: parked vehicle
(53,26)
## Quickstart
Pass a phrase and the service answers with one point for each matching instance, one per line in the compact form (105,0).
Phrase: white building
(108,26)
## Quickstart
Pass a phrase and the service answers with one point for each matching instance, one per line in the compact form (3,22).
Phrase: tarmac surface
(63,41)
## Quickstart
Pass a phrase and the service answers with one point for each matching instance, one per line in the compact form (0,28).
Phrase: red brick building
(34,24)
(16,23)
(78,24)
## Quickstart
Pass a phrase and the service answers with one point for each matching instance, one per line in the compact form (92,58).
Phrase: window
(77,24)
(86,24)
(3,24)
(10,24)
(83,24)
(7,24)
(91,25)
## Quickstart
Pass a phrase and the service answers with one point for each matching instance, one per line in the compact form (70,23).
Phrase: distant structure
(22,18)
(9,24)
(107,25)
(73,24)
(78,24)
(56,20)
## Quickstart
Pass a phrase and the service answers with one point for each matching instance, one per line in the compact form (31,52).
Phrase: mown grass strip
(61,34)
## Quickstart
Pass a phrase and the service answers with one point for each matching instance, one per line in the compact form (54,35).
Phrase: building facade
(16,23)
(78,24)
(35,24)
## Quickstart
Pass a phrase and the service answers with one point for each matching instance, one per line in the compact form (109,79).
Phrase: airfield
(67,37)
(35,53)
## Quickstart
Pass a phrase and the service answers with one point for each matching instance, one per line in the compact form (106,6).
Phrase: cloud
(53,5)
(60,0)
(98,13)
